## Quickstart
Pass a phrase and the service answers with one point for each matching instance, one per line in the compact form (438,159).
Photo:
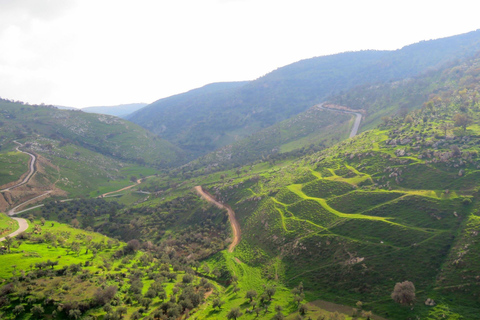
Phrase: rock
(461,172)
(400,152)
(405,141)
(430,302)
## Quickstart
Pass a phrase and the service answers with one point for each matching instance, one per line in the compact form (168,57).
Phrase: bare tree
(404,293)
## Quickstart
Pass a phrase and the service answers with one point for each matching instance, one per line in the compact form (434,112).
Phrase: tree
(37,311)
(302,309)
(234,313)
(445,126)
(75,247)
(8,243)
(75,223)
(75,314)
(462,120)
(217,303)
(408,119)
(270,291)
(404,293)
(132,246)
(278,316)
(251,294)
(18,309)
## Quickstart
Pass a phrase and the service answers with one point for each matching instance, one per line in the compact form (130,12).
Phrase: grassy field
(7,225)
(12,166)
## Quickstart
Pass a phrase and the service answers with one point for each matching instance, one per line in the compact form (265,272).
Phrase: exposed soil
(231,216)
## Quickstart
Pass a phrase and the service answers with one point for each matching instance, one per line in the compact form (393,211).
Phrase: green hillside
(103,134)
(217,115)
(395,203)
(308,131)
(328,226)
(56,271)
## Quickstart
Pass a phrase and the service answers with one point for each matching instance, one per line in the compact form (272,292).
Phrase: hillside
(302,222)
(77,154)
(104,134)
(395,203)
(56,271)
(308,131)
(405,193)
(121,110)
(205,119)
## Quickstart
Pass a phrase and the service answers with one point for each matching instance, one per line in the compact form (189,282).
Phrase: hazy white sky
(83,52)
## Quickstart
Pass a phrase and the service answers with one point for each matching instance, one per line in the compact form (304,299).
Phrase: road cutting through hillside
(358,118)
(231,216)
(119,190)
(31,169)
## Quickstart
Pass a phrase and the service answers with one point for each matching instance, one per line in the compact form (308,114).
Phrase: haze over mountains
(121,110)
(216,115)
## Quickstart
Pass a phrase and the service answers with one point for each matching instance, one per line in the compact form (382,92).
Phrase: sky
(81,53)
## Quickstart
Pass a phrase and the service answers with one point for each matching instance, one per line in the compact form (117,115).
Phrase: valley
(314,192)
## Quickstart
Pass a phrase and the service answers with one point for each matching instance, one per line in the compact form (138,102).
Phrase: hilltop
(217,115)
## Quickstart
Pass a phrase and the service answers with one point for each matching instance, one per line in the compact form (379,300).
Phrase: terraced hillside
(396,203)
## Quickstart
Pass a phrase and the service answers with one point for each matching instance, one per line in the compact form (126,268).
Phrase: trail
(31,171)
(356,124)
(231,216)
(126,188)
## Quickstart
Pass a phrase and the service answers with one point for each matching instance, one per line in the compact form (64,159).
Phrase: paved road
(231,217)
(23,225)
(356,124)
(31,170)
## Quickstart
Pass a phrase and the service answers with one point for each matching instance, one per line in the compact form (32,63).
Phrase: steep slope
(214,116)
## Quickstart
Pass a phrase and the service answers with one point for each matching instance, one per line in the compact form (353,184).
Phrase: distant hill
(216,115)
(82,152)
(121,110)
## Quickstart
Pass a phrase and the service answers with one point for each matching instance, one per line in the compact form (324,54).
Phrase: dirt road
(123,189)
(231,216)
(31,168)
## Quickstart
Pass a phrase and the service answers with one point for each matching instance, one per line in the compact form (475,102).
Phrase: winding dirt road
(231,216)
(31,168)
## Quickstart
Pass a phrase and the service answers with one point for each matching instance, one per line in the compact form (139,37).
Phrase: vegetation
(208,118)
(331,231)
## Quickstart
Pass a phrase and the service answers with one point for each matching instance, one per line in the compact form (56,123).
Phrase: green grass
(325,188)
(12,166)
(357,201)
(7,225)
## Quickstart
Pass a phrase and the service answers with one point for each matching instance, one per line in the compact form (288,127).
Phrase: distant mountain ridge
(216,115)
(121,110)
